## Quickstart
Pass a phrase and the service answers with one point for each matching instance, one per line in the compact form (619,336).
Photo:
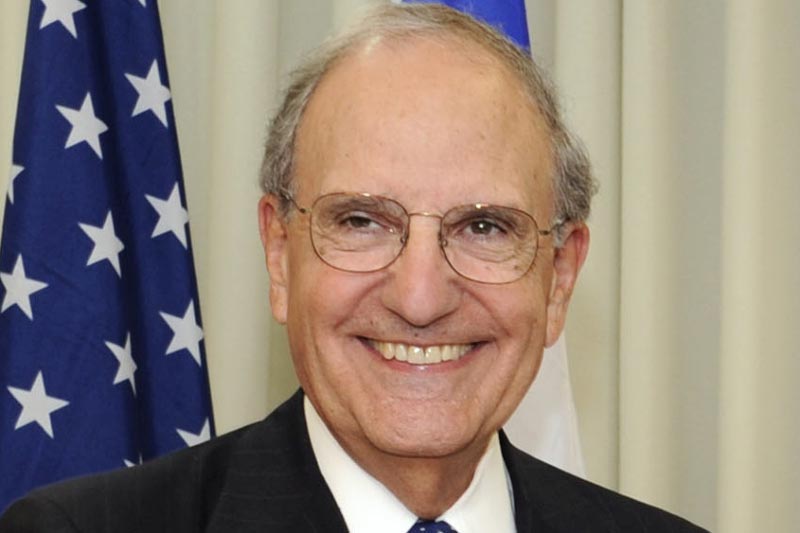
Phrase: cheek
(319,291)
(529,329)
(307,302)
(321,300)
(522,307)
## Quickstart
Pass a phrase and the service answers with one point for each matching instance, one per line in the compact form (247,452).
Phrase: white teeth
(433,354)
(417,355)
(448,353)
(385,349)
(400,352)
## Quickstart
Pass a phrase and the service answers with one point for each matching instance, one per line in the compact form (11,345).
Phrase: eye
(484,227)
(487,225)
(366,222)
(358,221)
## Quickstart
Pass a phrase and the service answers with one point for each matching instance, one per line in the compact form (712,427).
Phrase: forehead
(432,118)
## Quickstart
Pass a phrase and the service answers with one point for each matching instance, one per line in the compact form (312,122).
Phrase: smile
(418,355)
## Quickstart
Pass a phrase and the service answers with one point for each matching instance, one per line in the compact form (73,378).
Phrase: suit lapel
(528,514)
(273,483)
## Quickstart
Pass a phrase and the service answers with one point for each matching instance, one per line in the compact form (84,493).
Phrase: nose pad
(404,239)
(441,239)
(422,288)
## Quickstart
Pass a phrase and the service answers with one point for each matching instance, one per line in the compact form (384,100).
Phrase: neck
(427,486)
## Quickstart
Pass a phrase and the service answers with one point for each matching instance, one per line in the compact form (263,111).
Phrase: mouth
(420,355)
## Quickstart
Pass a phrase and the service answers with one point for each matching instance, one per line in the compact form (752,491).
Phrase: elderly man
(423,225)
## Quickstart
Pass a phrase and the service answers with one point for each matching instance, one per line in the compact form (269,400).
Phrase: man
(423,225)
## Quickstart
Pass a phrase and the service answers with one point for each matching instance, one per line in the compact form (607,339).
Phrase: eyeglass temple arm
(286,195)
(555,227)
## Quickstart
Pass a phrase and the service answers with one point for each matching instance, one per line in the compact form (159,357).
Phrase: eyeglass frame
(289,197)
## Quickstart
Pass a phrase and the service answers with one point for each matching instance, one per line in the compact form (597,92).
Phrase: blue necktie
(429,526)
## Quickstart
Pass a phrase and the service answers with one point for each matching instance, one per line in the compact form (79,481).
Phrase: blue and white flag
(102,361)
(546,423)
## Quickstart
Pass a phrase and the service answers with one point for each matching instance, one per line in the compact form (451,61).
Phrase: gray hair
(573,184)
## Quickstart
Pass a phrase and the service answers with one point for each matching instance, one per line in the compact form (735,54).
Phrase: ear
(567,263)
(274,238)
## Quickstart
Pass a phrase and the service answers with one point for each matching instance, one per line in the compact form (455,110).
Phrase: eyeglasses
(361,232)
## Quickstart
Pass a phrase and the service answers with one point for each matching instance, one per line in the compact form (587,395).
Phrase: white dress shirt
(368,507)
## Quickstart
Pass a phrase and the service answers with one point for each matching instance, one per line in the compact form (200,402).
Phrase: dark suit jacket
(265,478)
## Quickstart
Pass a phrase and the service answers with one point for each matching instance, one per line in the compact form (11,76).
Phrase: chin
(414,449)
(428,438)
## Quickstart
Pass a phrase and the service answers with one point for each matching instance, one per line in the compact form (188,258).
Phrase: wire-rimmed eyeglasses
(362,232)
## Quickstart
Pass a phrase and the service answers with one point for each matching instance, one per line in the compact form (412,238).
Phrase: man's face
(432,125)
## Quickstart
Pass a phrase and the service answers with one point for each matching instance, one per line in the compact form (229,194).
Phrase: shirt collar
(368,506)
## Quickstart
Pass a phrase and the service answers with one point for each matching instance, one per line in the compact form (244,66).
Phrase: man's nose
(422,287)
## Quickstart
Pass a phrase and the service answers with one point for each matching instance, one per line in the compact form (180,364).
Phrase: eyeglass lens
(364,233)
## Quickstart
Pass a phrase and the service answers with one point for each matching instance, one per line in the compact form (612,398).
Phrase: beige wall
(683,339)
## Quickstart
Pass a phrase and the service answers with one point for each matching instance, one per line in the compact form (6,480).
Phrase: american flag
(102,360)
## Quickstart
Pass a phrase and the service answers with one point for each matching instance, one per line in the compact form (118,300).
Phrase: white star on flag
(16,170)
(133,463)
(152,95)
(186,333)
(61,11)
(127,366)
(19,288)
(86,127)
(192,439)
(36,405)
(171,215)
(107,245)
(143,2)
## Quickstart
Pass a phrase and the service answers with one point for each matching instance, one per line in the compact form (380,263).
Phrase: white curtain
(684,342)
